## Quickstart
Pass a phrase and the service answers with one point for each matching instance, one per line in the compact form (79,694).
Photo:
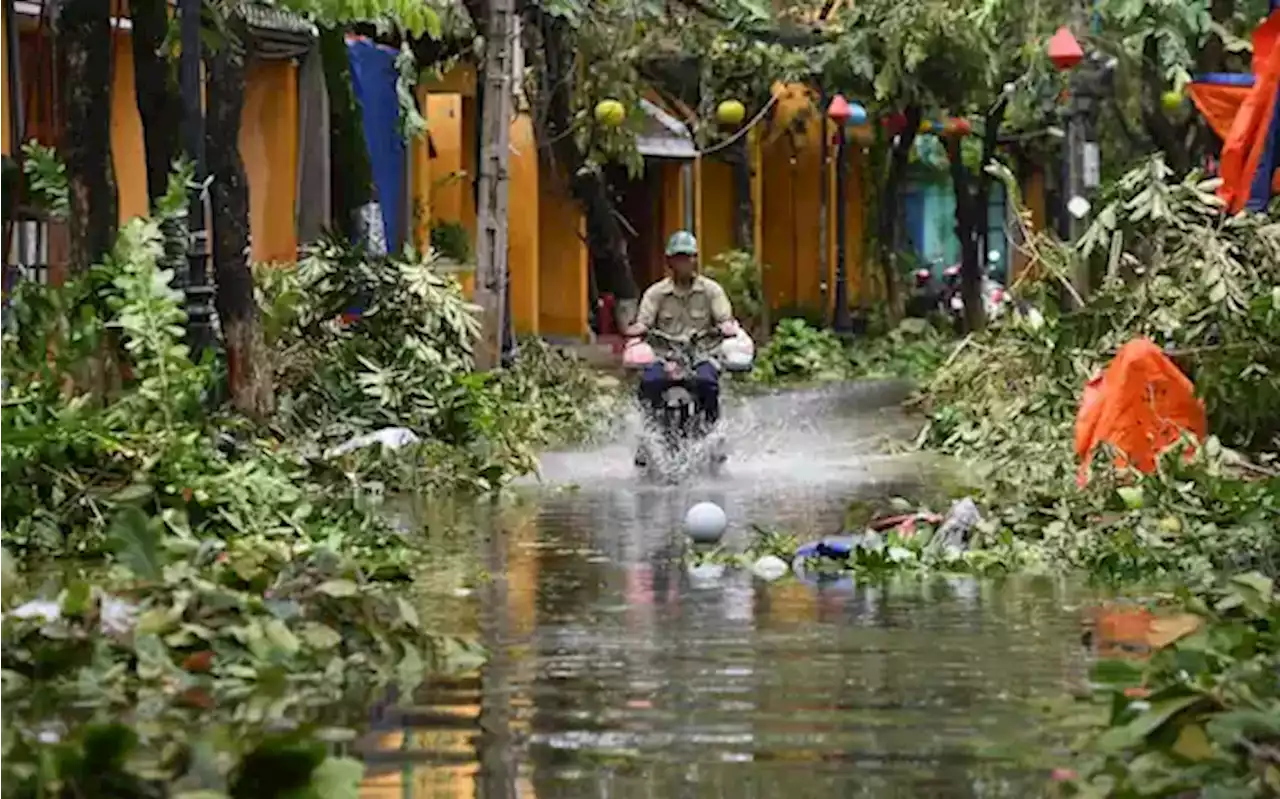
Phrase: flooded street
(613,675)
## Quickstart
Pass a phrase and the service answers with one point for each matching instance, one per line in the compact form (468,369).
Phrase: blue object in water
(373,78)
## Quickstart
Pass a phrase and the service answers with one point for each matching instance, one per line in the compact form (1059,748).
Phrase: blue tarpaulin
(373,78)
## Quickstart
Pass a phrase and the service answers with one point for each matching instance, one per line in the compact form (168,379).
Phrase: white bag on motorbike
(637,354)
(738,353)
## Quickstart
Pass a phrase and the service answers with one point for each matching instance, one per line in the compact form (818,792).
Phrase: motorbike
(994,297)
(677,435)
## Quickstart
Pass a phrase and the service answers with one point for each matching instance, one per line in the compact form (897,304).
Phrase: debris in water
(770,568)
(389,437)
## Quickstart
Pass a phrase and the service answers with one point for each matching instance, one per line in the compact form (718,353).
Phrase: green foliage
(915,349)
(1202,716)
(46,177)
(742,278)
(1007,402)
(451,240)
(800,353)
(407,362)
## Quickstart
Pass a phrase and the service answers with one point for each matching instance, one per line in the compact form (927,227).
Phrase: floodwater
(614,675)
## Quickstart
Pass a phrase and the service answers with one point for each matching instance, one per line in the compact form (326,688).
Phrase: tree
(84,64)
(495,123)
(248,377)
(158,97)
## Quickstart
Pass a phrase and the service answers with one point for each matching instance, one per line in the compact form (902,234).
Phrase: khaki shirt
(681,312)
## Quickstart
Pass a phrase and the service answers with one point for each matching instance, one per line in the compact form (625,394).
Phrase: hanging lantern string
(742,131)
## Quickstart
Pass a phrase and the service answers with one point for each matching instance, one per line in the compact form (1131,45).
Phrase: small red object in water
(1064,50)
(1063,775)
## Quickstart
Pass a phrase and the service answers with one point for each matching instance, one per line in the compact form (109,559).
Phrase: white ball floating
(705,522)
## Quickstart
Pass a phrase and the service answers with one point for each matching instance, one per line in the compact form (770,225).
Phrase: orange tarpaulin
(1141,404)
(1247,141)
(1218,104)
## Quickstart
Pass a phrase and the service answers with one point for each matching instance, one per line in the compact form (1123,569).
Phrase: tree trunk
(606,239)
(248,376)
(84,54)
(352,175)
(967,232)
(158,96)
(493,186)
(890,199)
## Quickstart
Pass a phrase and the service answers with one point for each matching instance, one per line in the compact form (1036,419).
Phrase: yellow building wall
(791,213)
(522,232)
(719,201)
(448,184)
(671,204)
(420,180)
(128,154)
(269,148)
(268,145)
(562,259)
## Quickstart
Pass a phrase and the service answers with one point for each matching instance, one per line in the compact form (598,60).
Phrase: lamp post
(1083,156)
(842,112)
(198,291)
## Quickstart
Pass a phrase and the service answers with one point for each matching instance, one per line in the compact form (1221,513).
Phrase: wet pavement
(612,675)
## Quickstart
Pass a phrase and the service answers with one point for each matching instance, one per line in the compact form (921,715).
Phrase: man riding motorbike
(683,305)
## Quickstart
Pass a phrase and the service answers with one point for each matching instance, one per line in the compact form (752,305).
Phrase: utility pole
(199,293)
(495,155)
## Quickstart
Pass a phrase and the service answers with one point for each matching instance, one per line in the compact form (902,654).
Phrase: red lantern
(839,110)
(1064,50)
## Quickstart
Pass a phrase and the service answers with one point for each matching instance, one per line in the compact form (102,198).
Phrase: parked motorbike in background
(995,298)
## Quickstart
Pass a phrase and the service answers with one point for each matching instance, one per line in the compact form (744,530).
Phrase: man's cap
(682,242)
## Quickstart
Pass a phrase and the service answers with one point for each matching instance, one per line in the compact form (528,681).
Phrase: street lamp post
(1083,155)
(198,291)
(842,112)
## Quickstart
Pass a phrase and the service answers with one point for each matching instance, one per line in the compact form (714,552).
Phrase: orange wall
(719,200)
(522,231)
(269,148)
(562,259)
(268,145)
(671,204)
(448,185)
(791,218)
(128,155)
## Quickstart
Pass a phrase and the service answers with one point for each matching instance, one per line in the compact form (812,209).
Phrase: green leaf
(280,636)
(338,588)
(1255,581)
(407,613)
(1116,673)
(1131,496)
(134,492)
(337,778)
(320,636)
(1133,733)
(137,543)
(1193,744)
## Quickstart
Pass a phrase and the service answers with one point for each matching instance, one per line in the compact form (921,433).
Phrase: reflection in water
(612,675)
